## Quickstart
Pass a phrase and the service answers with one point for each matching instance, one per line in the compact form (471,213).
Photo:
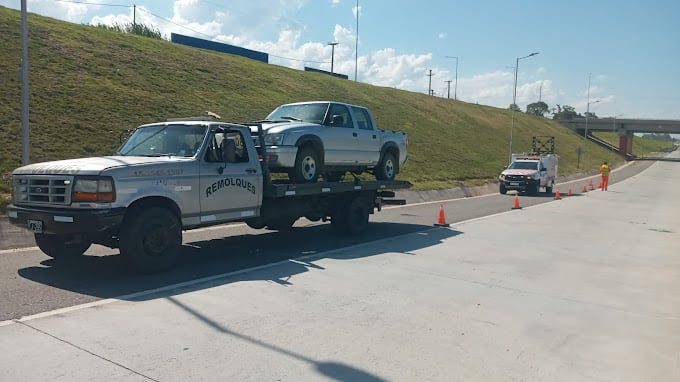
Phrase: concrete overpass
(626,128)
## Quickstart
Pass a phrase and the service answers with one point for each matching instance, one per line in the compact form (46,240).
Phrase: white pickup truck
(311,139)
(173,176)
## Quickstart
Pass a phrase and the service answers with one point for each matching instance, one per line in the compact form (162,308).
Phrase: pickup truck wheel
(282,224)
(61,246)
(386,168)
(151,241)
(548,189)
(307,166)
(502,189)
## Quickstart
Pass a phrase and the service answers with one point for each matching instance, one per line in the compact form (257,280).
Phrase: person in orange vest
(604,171)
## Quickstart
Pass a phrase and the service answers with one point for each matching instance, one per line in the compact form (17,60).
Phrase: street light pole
(332,44)
(585,133)
(455,86)
(514,99)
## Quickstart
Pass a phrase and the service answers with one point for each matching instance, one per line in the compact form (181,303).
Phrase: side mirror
(543,169)
(337,119)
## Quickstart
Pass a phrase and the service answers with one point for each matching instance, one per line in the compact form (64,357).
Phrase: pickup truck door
(339,137)
(368,137)
(235,193)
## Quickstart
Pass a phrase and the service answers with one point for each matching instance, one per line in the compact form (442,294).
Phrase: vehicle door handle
(375,136)
(354,134)
(251,170)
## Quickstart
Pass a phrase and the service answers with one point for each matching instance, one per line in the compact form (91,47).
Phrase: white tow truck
(173,176)
(529,172)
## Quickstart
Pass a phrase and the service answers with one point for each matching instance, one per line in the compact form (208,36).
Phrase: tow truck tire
(502,189)
(387,168)
(61,246)
(151,240)
(281,224)
(307,166)
(353,218)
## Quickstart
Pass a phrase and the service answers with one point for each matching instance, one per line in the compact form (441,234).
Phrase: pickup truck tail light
(93,189)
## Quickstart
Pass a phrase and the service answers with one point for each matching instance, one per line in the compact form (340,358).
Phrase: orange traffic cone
(441,221)
(557,195)
(569,193)
(585,189)
(592,187)
(516,206)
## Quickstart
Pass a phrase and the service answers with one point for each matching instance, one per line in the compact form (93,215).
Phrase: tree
(539,108)
(590,115)
(515,107)
(565,113)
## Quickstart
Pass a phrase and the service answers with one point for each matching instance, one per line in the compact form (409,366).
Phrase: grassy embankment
(88,84)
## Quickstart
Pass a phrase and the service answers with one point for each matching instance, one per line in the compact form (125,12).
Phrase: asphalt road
(32,283)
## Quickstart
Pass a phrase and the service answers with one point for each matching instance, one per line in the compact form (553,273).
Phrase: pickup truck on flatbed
(173,176)
(322,138)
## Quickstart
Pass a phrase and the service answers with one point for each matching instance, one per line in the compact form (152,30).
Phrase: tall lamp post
(514,99)
(585,133)
(332,44)
(455,86)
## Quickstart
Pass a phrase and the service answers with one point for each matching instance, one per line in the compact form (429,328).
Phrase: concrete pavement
(584,288)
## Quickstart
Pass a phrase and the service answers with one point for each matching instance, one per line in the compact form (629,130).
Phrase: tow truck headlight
(93,189)
(273,139)
(501,176)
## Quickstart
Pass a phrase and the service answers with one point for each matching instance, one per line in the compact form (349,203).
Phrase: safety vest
(604,170)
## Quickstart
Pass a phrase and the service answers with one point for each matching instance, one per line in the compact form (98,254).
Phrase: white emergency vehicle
(531,172)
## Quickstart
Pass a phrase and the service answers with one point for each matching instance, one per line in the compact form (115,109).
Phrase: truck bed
(283,189)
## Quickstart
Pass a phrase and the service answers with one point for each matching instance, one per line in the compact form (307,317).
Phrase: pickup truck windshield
(310,112)
(524,165)
(160,140)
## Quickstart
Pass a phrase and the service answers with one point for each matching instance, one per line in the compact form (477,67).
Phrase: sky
(615,58)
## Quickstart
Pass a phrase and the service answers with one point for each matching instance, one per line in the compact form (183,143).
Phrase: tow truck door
(231,186)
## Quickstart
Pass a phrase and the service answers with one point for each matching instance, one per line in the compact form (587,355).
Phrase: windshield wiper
(292,118)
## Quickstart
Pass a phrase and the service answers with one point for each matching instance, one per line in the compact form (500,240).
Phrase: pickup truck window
(232,138)
(363,118)
(311,112)
(339,116)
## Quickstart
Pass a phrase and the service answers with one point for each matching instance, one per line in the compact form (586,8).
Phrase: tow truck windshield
(164,140)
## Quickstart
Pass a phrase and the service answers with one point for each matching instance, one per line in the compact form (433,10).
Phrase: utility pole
(134,15)
(455,87)
(356,46)
(448,91)
(25,143)
(429,86)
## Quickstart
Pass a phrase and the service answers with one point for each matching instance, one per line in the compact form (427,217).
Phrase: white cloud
(442,35)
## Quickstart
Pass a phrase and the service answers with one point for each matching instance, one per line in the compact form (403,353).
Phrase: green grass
(89,84)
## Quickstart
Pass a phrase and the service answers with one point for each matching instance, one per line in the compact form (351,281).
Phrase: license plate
(35,226)
(514,183)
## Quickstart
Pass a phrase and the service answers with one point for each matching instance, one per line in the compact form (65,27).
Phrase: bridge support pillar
(625,143)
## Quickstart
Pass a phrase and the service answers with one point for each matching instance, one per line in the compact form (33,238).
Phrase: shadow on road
(204,264)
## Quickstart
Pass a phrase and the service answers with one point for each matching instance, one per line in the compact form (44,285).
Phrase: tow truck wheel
(61,246)
(386,168)
(281,224)
(353,218)
(503,190)
(307,166)
(151,240)
(548,189)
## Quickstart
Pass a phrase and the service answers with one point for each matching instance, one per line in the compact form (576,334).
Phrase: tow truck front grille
(42,189)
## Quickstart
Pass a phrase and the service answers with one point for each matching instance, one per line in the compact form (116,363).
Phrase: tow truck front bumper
(66,221)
